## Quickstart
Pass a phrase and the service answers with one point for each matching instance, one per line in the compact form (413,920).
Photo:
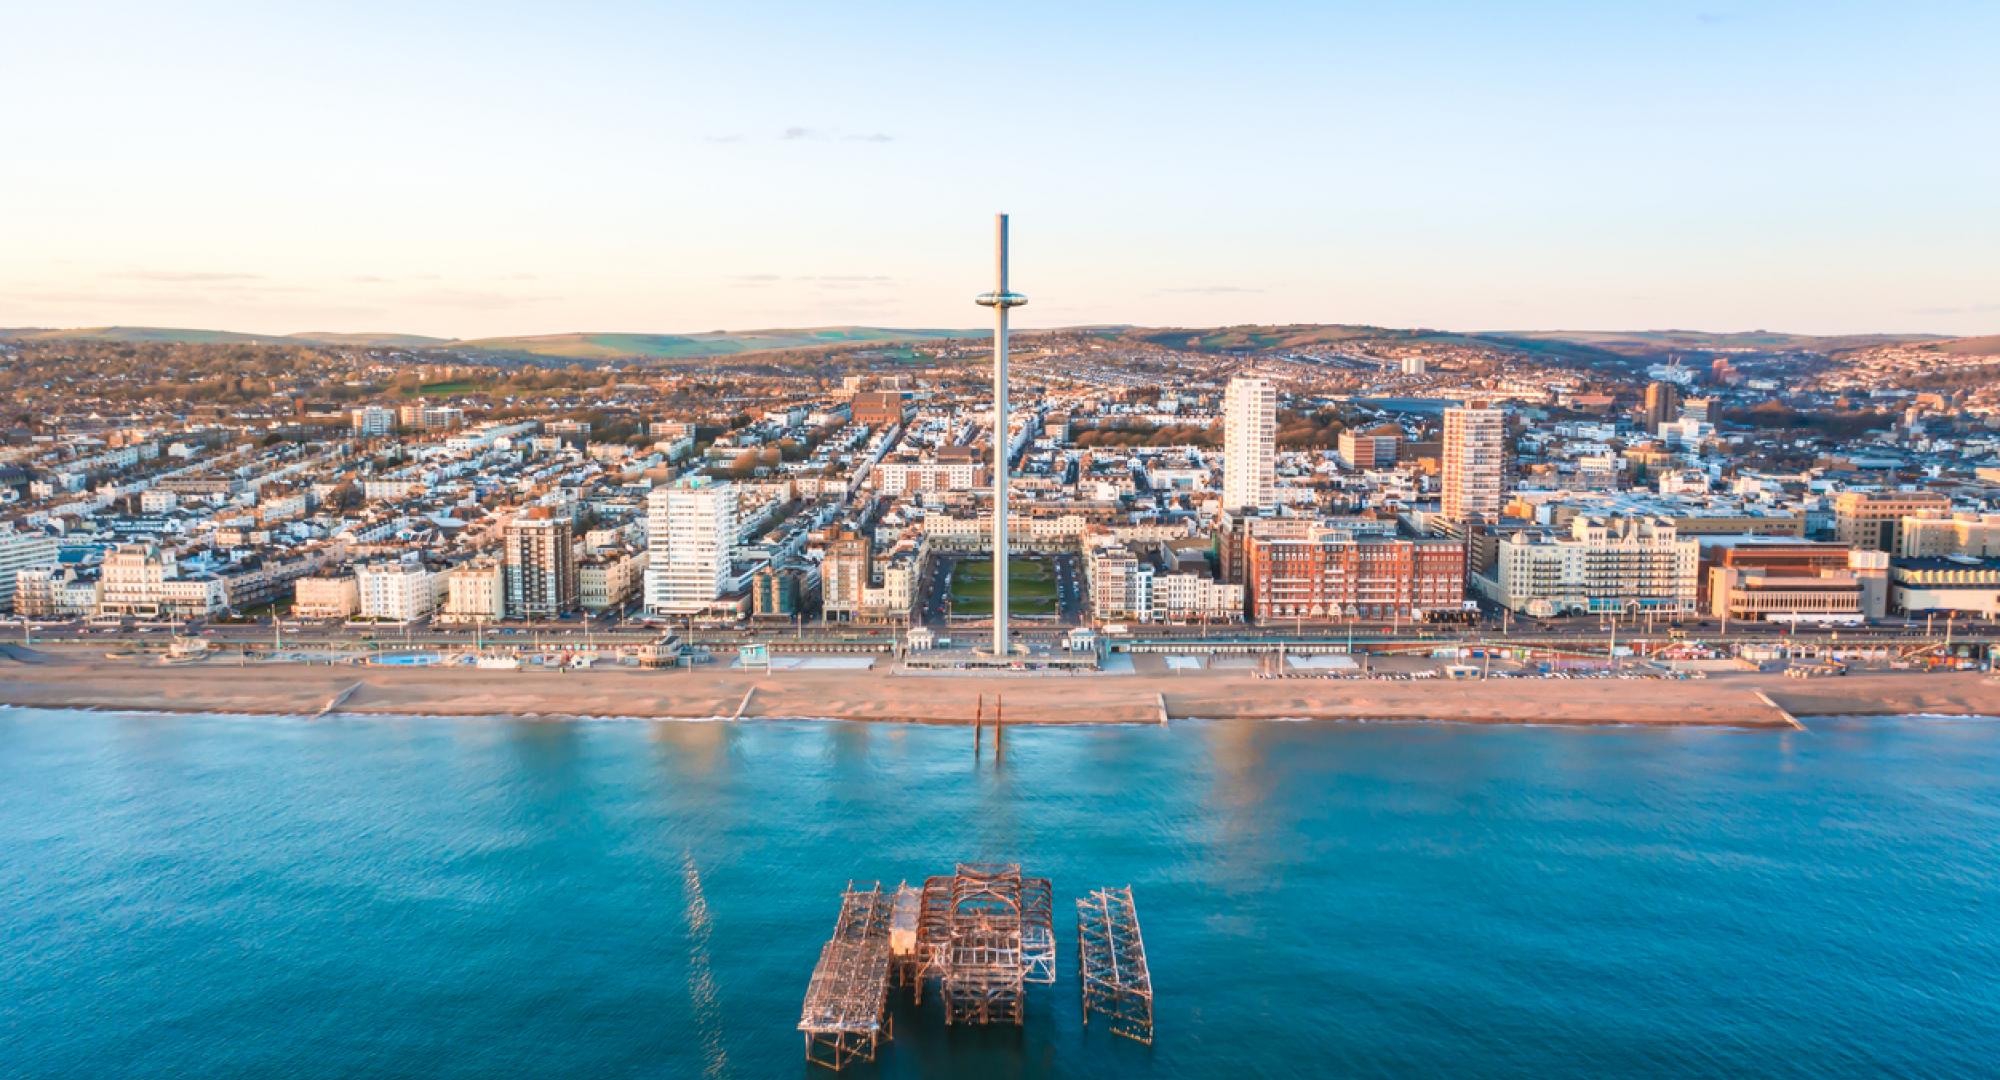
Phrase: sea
(216,896)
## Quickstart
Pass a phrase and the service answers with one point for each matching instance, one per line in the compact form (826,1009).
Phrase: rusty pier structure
(975,939)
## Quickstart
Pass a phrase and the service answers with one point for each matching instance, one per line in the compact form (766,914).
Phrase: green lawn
(1031,587)
(447,389)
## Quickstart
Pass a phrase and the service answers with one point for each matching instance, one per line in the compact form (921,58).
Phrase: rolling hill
(587,346)
(1575,346)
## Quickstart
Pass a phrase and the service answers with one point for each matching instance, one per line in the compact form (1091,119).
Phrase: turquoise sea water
(205,896)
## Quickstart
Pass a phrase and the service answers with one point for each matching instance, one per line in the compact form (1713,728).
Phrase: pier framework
(846,1014)
(980,936)
(1112,962)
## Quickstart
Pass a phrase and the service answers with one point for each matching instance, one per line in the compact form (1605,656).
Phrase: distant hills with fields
(1584,346)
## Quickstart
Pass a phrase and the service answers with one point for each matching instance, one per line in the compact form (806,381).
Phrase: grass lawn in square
(1031,587)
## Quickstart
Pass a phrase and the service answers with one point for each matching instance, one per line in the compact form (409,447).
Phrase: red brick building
(1297,569)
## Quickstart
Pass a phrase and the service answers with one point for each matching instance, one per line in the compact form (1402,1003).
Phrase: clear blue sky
(496,168)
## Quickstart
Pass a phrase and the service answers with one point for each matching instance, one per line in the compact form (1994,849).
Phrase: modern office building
(1371,449)
(1873,520)
(691,545)
(1475,462)
(1249,445)
(1932,535)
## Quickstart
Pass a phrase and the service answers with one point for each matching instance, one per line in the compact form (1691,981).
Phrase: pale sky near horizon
(474,170)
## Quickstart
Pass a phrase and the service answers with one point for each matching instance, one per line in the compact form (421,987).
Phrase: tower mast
(1000,300)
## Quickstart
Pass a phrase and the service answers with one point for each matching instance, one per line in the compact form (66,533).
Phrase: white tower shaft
(1000,300)
(1001,645)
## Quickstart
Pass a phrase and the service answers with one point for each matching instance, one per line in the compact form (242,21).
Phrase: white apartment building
(432,417)
(1603,565)
(1124,587)
(691,530)
(1475,462)
(21,551)
(141,581)
(901,477)
(1249,445)
(333,597)
(373,420)
(53,592)
(397,591)
(608,581)
(475,592)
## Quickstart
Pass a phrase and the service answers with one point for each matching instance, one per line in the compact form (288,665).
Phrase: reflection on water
(218,896)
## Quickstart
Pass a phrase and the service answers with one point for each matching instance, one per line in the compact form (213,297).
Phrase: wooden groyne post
(744,705)
(978,724)
(1160,699)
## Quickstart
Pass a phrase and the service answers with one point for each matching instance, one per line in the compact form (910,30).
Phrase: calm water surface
(198,896)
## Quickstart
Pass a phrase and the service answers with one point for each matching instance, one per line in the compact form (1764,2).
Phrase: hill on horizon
(1585,346)
(599,346)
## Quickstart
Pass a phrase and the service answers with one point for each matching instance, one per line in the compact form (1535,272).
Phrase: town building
(609,580)
(21,551)
(777,592)
(1662,406)
(1371,449)
(1930,536)
(1249,445)
(143,581)
(1958,584)
(475,592)
(691,545)
(332,596)
(398,592)
(1873,520)
(844,572)
(1475,462)
(540,567)
(1603,565)
(371,421)
(1322,571)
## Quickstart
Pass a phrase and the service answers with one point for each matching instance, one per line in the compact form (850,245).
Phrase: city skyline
(1568,167)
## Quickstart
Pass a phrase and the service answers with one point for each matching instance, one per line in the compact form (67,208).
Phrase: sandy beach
(84,680)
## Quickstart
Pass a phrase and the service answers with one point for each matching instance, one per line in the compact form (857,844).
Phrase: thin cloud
(194,277)
(822,281)
(804,133)
(1212,290)
(1968,309)
(475,298)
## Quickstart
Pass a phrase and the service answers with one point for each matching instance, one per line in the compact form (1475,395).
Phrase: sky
(474,170)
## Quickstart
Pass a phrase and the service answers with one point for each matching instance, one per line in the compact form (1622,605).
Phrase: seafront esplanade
(1000,300)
